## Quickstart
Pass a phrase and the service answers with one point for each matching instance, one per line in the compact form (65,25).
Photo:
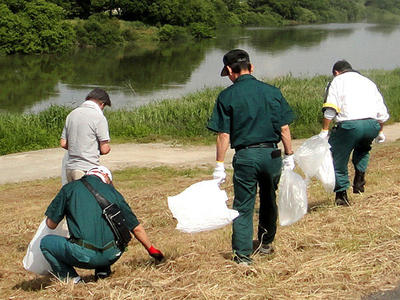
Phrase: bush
(99,31)
(172,33)
(201,31)
(303,15)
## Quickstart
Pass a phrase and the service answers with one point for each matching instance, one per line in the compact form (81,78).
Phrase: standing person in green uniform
(92,244)
(253,117)
(357,106)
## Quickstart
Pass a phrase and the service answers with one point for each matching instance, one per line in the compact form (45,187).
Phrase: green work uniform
(86,224)
(348,136)
(252,113)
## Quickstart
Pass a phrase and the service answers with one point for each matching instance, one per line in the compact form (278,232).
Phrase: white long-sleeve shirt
(355,97)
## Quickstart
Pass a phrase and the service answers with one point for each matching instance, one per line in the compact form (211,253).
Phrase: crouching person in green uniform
(356,105)
(91,244)
(252,117)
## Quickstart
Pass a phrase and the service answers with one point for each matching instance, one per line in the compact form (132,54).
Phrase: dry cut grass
(332,253)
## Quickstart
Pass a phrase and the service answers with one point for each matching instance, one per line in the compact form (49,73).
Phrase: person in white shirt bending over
(359,111)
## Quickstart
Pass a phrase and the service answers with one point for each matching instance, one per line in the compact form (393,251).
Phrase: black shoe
(102,272)
(266,249)
(243,260)
(359,182)
(341,199)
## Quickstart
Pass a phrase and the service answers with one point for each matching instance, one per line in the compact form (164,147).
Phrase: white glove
(219,172)
(288,162)
(323,134)
(380,138)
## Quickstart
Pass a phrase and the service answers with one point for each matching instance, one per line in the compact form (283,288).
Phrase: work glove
(156,254)
(219,172)
(288,162)
(380,138)
(323,134)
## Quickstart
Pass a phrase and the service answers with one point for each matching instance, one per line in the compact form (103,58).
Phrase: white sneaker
(77,280)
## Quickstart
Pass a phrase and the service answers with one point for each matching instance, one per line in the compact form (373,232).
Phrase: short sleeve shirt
(85,127)
(83,213)
(355,97)
(251,111)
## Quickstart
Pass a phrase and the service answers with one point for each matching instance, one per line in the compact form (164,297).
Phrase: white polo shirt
(355,97)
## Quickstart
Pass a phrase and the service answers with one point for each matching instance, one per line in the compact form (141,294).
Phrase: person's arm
(286,140)
(223,140)
(141,235)
(64,143)
(222,145)
(329,115)
(104,147)
(325,124)
(50,223)
(288,161)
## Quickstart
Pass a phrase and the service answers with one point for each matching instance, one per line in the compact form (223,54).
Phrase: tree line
(40,26)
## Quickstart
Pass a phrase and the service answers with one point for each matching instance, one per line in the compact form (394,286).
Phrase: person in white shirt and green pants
(359,111)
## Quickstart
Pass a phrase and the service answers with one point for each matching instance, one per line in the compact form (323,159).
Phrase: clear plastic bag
(201,207)
(315,160)
(292,199)
(34,260)
(326,173)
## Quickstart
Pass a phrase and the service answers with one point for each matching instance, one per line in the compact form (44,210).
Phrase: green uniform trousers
(348,136)
(254,166)
(63,256)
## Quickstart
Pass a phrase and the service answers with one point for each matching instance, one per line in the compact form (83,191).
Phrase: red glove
(156,254)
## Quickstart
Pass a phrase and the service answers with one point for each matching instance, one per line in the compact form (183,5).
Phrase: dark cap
(233,57)
(99,94)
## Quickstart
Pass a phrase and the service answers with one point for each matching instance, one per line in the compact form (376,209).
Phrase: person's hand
(380,138)
(219,172)
(323,134)
(288,162)
(156,254)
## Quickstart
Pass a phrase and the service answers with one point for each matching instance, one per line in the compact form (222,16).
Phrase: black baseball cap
(232,57)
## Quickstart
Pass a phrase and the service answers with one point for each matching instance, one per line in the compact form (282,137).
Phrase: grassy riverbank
(332,253)
(183,120)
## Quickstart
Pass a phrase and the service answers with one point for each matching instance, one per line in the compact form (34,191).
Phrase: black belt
(89,246)
(259,145)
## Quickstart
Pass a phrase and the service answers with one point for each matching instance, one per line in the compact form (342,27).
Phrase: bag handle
(103,202)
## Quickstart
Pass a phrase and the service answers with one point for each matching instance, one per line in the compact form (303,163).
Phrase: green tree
(34,27)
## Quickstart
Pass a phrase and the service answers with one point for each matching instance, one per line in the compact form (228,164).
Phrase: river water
(134,76)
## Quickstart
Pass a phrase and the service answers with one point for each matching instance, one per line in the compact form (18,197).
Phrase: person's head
(102,172)
(236,62)
(340,67)
(100,96)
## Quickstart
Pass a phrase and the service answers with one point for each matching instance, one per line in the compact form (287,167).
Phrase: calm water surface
(135,76)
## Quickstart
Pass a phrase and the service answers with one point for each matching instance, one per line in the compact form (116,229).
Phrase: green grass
(184,120)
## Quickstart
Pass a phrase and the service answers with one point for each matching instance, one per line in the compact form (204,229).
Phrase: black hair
(239,66)
(99,94)
(342,66)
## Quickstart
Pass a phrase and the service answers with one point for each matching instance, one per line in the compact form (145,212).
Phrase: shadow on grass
(36,284)
(316,206)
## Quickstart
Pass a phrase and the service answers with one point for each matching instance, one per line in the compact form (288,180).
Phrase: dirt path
(47,163)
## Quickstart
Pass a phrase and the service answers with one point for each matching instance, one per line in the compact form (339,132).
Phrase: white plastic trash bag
(314,157)
(201,207)
(34,260)
(292,199)
(310,154)
(326,173)
(64,180)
